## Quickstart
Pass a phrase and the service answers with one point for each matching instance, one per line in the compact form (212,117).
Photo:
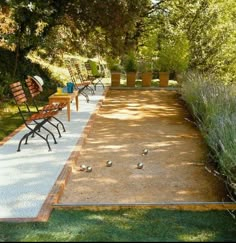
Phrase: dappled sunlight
(137,107)
(124,114)
(183,136)
(136,176)
(153,106)
(96,217)
(128,122)
(198,236)
(199,163)
(184,152)
(139,112)
(184,164)
(102,180)
(163,145)
(134,104)
(187,192)
(115,147)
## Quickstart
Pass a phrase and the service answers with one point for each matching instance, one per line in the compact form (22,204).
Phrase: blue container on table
(64,90)
(70,87)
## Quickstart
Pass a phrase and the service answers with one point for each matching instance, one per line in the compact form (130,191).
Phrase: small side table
(65,98)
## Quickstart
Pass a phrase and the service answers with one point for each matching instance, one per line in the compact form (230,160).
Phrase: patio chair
(78,85)
(82,79)
(34,121)
(35,90)
(95,73)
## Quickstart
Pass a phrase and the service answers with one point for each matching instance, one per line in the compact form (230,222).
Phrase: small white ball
(83,167)
(109,163)
(145,152)
(89,169)
(140,165)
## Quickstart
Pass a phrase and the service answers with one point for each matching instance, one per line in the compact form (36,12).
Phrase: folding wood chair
(33,121)
(78,85)
(82,79)
(35,91)
(94,73)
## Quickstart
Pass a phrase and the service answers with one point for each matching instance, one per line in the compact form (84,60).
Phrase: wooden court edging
(192,206)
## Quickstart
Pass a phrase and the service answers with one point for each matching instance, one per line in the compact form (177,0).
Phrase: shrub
(213,105)
(25,67)
(130,63)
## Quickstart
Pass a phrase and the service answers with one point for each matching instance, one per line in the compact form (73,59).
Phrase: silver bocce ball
(89,169)
(109,163)
(140,165)
(83,167)
(145,152)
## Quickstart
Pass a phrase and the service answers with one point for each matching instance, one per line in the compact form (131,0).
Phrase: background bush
(213,105)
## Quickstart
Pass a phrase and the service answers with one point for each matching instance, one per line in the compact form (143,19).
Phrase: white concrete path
(26,177)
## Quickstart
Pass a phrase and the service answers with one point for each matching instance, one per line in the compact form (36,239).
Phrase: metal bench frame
(95,79)
(78,86)
(33,121)
(34,91)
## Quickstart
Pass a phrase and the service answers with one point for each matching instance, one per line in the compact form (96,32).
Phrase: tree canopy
(113,22)
(114,27)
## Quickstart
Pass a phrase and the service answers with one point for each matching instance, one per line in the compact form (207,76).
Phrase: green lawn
(126,225)
(9,120)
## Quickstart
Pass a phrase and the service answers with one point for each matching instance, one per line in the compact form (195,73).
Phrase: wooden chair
(82,79)
(34,91)
(80,86)
(33,121)
(95,73)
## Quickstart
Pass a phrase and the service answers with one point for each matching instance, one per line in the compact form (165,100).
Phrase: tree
(31,23)
(210,29)
(117,21)
(114,21)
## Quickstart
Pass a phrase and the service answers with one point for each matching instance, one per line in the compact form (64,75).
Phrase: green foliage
(119,21)
(173,54)
(208,25)
(26,67)
(32,21)
(214,107)
(148,44)
(6,71)
(75,25)
(94,68)
(125,225)
(113,64)
(10,119)
(145,65)
(130,62)
(116,67)
(181,53)
(212,26)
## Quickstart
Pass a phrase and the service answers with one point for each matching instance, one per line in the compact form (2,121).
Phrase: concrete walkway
(27,177)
